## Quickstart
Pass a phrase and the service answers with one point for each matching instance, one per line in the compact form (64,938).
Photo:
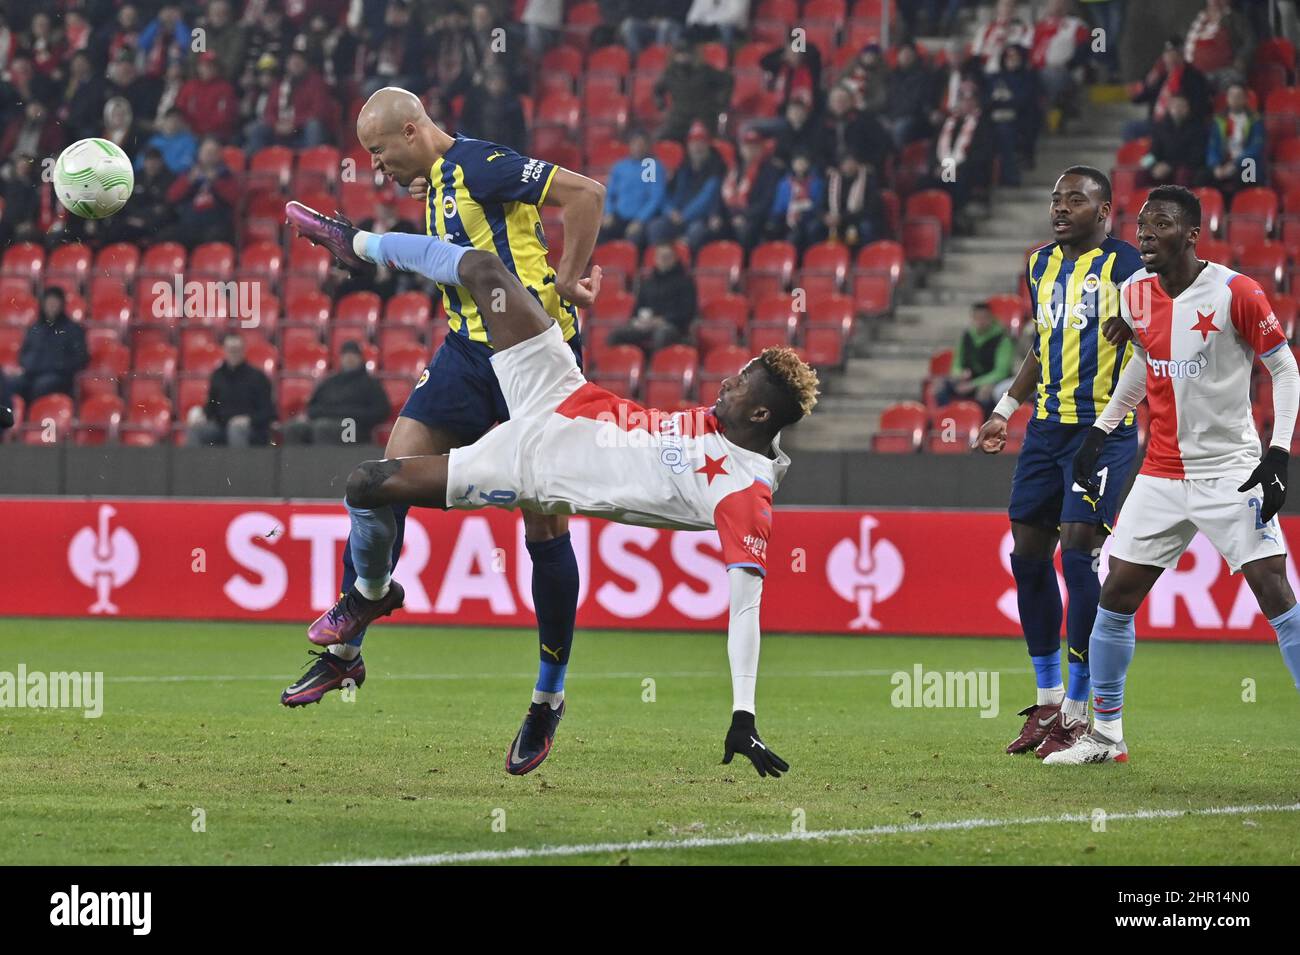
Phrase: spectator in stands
(266,34)
(173,80)
(176,143)
(794,129)
(45,46)
(22,85)
(209,102)
(747,193)
(963,152)
(698,92)
(855,212)
(929,17)
(846,128)
(500,56)
(1108,17)
(122,33)
(1058,41)
(1219,43)
(1171,76)
(635,193)
(1236,150)
(53,351)
(910,97)
(799,206)
(1015,110)
(225,39)
(20,184)
(300,111)
(142,92)
(795,73)
(164,39)
(1178,147)
(653,21)
(82,106)
(543,20)
(352,395)
(665,305)
(119,125)
(148,212)
(205,199)
(722,20)
(1005,29)
(866,77)
(451,56)
(238,412)
(693,193)
(493,111)
(985,356)
(36,132)
(392,57)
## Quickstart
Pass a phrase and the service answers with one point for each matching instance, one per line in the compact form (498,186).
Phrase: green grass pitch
(414,766)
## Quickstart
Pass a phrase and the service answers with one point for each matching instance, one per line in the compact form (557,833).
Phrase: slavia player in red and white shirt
(1197,329)
(571,447)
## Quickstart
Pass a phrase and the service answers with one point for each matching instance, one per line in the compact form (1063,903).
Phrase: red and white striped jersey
(1200,349)
(605,456)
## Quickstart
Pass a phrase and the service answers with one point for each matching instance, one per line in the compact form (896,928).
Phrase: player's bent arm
(582,201)
(1129,392)
(1025,382)
(743,635)
(1281,365)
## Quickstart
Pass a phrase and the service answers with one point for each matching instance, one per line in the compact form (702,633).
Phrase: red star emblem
(712,467)
(1205,325)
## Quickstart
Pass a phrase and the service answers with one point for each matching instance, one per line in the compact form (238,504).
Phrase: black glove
(743,738)
(1085,462)
(1271,475)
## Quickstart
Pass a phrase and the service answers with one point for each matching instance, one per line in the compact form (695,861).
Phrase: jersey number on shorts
(1100,493)
(1256,504)
(497,497)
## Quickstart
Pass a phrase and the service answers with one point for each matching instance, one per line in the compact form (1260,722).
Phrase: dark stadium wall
(817,478)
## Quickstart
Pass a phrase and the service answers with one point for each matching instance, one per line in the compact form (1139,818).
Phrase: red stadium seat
(902,428)
(1254,216)
(941,362)
(771,267)
(618,261)
(618,369)
(825,268)
(270,169)
(111,359)
(201,356)
(358,308)
(397,388)
(604,107)
(718,268)
(234,159)
(602,152)
(139,387)
(212,261)
(409,308)
(318,169)
(1212,209)
(305,358)
(262,261)
(98,419)
(1285,308)
(148,420)
(26,260)
(1265,262)
(163,261)
(613,306)
(953,427)
(48,420)
(1282,113)
(1017,427)
(310,261)
(11,343)
(264,219)
(879,262)
(1009,310)
(824,346)
(611,60)
(395,336)
(261,354)
(88,384)
(671,376)
(18,308)
(311,309)
(563,59)
(670,153)
(406,360)
(118,261)
(293,395)
(720,364)
(1213,250)
(1284,170)
(191,392)
(69,264)
(157,359)
(772,334)
(927,221)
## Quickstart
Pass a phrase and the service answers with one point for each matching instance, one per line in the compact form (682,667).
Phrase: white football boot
(1089,748)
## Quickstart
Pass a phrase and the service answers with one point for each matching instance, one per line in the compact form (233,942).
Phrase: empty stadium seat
(311,309)
(25,260)
(1254,216)
(261,261)
(1265,262)
(771,267)
(902,428)
(927,222)
(201,357)
(68,264)
(163,261)
(1212,209)
(618,369)
(1017,427)
(11,343)
(671,376)
(293,394)
(148,420)
(825,268)
(48,420)
(406,360)
(305,358)
(953,427)
(212,261)
(359,309)
(317,169)
(270,169)
(18,308)
(408,308)
(1009,310)
(98,419)
(617,260)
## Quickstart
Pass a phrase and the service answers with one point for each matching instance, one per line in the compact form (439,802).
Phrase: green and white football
(93,178)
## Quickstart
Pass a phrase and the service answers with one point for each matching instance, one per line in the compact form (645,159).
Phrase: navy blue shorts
(1043,492)
(459,392)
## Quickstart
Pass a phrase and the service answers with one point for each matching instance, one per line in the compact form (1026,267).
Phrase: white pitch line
(579,677)
(825,835)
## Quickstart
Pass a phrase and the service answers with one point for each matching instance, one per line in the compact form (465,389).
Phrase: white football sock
(345,651)
(554,699)
(372,589)
(1051,694)
(1112,730)
(359,243)
(1074,710)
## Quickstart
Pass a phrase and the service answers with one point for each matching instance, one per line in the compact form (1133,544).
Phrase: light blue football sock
(1287,627)
(373,532)
(1111,651)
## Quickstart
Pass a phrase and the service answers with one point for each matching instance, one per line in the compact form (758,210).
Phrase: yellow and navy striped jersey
(1072,300)
(485,196)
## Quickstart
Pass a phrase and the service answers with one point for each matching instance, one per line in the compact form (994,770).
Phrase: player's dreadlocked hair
(794,386)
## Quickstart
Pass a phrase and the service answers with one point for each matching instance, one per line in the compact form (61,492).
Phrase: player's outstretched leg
(1111,649)
(329,672)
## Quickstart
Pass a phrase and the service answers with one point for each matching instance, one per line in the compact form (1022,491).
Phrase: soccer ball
(93,178)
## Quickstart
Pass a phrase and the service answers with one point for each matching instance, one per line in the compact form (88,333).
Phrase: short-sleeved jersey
(1200,348)
(1072,300)
(485,196)
(608,457)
